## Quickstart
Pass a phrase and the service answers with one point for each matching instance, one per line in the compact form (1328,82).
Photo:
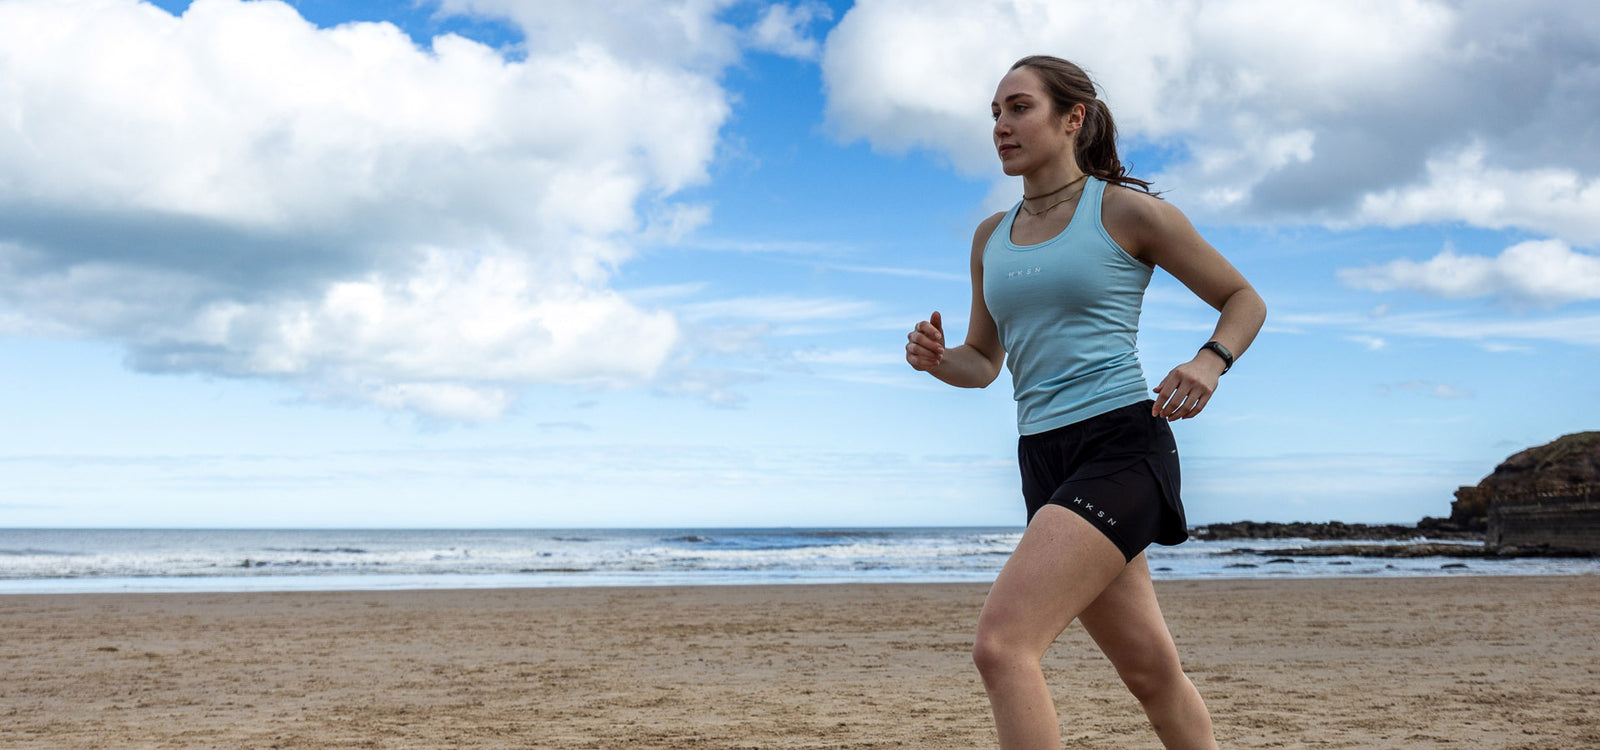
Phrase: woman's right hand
(925,344)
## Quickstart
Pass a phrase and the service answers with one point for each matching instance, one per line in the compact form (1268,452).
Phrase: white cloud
(717,387)
(782,29)
(883,357)
(1494,334)
(236,191)
(904,75)
(1557,201)
(1546,273)
(912,273)
(1372,343)
(674,33)
(1436,390)
(443,400)
(1344,113)
(1577,330)
(780,309)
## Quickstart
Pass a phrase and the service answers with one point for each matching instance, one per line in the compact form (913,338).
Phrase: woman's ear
(1075,117)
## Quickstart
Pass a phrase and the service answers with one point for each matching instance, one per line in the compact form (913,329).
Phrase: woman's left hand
(1183,393)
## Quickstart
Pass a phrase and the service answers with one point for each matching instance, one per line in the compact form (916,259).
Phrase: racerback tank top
(1067,310)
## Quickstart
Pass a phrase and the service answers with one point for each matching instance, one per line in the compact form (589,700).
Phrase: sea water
(150,560)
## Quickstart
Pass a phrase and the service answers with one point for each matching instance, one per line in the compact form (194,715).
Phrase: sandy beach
(1360,663)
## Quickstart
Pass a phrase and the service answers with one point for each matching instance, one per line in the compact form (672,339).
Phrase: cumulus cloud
(1342,113)
(784,30)
(238,192)
(1557,201)
(683,33)
(1546,273)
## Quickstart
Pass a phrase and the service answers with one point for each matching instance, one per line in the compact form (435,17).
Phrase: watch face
(1221,351)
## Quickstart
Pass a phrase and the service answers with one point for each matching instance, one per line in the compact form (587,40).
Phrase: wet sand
(1459,662)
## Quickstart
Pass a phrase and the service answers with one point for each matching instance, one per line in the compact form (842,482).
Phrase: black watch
(1221,351)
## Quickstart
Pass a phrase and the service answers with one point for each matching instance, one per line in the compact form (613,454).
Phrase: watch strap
(1218,349)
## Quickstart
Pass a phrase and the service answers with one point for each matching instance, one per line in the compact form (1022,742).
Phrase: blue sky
(483,263)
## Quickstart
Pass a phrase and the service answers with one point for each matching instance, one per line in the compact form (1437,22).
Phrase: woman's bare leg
(1061,565)
(1126,623)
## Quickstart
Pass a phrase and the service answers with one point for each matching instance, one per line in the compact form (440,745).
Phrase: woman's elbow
(1245,297)
(1259,304)
(991,369)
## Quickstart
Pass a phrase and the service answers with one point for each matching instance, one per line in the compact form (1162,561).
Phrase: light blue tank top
(1068,314)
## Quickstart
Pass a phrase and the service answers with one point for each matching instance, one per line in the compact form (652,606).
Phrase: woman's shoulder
(1132,216)
(1130,203)
(980,237)
(986,228)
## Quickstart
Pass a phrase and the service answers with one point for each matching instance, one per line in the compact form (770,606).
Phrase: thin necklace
(1046,209)
(1074,181)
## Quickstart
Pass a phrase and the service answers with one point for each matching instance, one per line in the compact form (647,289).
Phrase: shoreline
(242,561)
(266,585)
(1481,661)
(198,586)
(246,560)
(779,586)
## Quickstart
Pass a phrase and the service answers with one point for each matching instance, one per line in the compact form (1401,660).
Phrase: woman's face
(1027,132)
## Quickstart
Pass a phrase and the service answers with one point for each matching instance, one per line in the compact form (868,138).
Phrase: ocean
(157,560)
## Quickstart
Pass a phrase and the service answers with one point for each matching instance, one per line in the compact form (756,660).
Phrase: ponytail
(1068,85)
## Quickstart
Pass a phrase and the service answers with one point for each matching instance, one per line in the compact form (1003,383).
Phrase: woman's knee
(1151,680)
(993,653)
(987,654)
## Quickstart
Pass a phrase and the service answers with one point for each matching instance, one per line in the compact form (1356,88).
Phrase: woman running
(1057,284)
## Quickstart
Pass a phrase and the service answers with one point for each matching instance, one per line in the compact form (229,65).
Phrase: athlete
(1057,285)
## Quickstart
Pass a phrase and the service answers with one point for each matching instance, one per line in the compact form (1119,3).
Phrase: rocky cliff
(1546,497)
(1544,501)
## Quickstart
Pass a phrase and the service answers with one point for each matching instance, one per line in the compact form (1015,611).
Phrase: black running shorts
(1118,470)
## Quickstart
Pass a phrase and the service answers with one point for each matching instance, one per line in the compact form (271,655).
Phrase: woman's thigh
(1062,564)
(1125,622)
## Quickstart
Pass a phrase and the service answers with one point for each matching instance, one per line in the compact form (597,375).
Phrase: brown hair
(1066,84)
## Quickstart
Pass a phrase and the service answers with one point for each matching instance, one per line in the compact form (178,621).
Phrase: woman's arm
(977,362)
(1160,234)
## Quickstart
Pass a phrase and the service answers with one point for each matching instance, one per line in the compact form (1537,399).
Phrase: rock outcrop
(1325,531)
(1543,501)
(1544,498)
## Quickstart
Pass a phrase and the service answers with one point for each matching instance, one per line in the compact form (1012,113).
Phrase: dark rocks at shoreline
(1419,549)
(1429,528)
(1423,549)
(1433,537)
